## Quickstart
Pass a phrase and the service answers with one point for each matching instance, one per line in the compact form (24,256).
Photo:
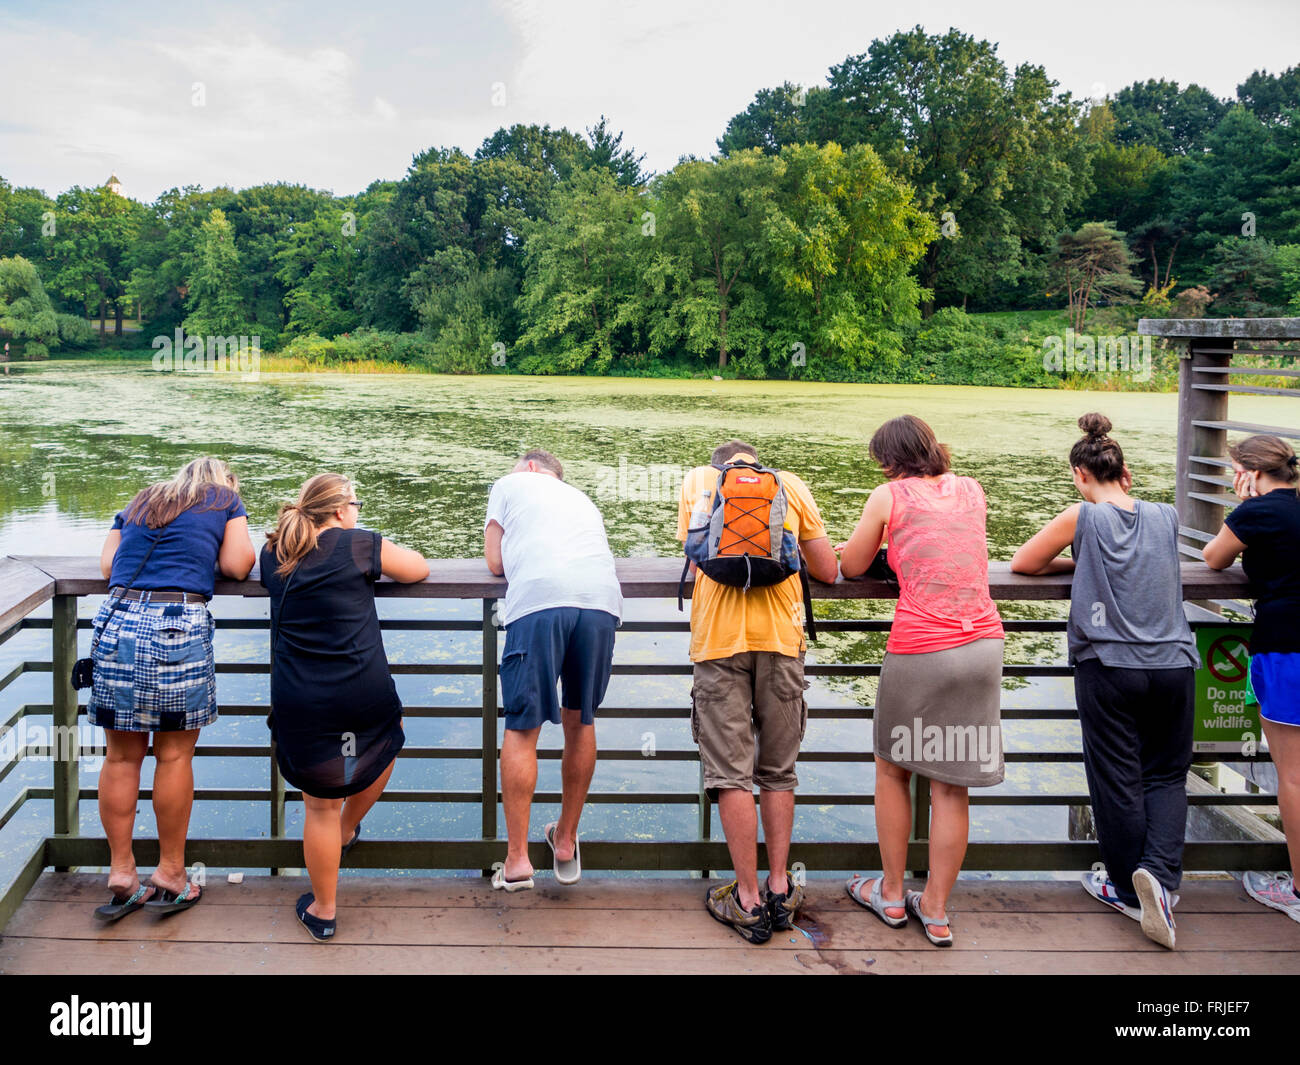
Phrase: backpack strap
(681,586)
(807,599)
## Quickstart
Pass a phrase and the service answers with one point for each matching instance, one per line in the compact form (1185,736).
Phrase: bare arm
(860,549)
(1041,553)
(236,558)
(1222,551)
(819,557)
(492,548)
(108,551)
(401,563)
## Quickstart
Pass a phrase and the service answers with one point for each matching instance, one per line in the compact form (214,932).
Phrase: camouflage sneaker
(783,907)
(724,904)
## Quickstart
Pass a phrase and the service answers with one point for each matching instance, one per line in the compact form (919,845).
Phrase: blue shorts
(565,644)
(1276,679)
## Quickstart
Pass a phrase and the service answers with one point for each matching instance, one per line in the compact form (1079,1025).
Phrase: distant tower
(114,185)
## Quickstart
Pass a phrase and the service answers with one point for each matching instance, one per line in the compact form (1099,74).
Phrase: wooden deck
(423,925)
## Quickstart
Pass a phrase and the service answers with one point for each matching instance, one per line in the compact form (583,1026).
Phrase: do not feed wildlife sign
(1227,714)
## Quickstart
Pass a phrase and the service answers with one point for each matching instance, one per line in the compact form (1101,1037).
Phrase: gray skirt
(939,714)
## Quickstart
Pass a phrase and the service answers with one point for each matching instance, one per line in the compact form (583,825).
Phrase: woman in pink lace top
(938,706)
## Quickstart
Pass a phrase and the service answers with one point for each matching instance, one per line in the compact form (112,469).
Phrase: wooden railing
(1207,348)
(27,583)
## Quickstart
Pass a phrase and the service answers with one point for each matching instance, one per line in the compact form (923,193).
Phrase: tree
(26,313)
(1001,152)
(585,297)
(782,116)
(317,267)
(95,229)
(215,300)
(842,236)
(607,151)
(712,229)
(1247,277)
(1270,96)
(1159,114)
(1093,264)
(24,214)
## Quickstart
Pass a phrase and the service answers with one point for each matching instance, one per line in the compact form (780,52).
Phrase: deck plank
(427,924)
(971,896)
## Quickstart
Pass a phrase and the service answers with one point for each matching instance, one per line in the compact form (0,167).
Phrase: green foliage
(1174,121)
(26,314)
(1247,277)
(215,301)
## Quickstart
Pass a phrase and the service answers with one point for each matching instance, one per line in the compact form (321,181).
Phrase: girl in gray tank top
(1134,664)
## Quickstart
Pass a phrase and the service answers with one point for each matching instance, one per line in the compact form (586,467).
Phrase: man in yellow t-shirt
(747,707)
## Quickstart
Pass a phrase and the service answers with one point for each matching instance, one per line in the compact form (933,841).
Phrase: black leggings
(1137,749)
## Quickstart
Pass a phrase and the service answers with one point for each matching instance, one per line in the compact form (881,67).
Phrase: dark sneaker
(724,904)
(783,907)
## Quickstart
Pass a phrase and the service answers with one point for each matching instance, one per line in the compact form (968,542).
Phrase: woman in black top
(336,720)
(1265,530)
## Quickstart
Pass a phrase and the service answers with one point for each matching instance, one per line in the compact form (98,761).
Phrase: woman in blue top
(152,648)
(1265,530)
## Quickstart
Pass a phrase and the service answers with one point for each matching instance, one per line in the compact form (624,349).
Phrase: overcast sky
(335,95)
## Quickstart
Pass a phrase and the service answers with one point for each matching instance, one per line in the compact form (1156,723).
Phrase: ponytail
(299,525)
(1269,455)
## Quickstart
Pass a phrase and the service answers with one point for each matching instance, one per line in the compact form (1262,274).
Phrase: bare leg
(778,824)
(173,799)
(322,840)
(949,830)
(518,782)
(893,828)
(576,770)
(119,791)
(1284,746)
(355,807)
(740,826)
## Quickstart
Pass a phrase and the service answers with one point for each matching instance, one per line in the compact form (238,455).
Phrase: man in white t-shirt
(563,603)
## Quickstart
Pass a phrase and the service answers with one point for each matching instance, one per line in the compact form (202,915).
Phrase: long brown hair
(299,524)
(1269,455)
(1097,452)
(906,447)
(206,483)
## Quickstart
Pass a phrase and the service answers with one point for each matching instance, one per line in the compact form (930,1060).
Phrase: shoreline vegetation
(925,215)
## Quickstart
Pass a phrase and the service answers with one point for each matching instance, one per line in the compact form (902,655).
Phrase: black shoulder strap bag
(83,669)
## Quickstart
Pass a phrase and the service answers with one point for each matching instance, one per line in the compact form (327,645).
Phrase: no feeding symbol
(1228,659)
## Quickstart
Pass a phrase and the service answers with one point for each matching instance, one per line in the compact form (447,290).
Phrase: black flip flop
(169,902)
(318,928)
(120,905)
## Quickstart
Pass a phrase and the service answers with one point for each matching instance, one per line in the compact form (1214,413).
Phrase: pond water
(77,440)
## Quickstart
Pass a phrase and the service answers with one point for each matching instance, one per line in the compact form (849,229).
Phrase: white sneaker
(1157,909)
(1277,892)
(1102,888)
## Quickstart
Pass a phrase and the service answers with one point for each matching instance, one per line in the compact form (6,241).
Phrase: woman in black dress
(336,720)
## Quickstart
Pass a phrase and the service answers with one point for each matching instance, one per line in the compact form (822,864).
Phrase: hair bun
(1095,424)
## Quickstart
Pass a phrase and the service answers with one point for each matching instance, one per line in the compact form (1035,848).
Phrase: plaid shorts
(153,667)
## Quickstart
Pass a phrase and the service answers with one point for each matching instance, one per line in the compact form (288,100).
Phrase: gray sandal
(912,902)
(874,902)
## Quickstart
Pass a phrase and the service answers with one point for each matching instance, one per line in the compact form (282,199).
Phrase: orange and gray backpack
(743,541)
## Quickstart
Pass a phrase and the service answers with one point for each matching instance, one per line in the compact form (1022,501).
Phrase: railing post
(1194,440)
(65,743)
(919,786)
(277,804)
(706,818)
(489,743)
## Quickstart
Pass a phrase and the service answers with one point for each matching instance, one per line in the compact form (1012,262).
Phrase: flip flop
(874,902)
(168,902)
(350,843)
(912,902)
(566,872)
(120,905)
(318,928)
(500,883)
